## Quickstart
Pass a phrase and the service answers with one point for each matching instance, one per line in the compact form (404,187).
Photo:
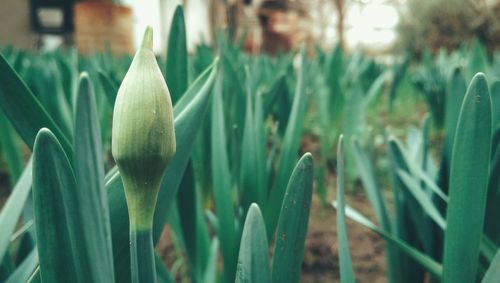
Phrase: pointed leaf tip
(84,75)
(43,136)
(147,39)
(84,81)
(479,80)
(254,208)
(307,158)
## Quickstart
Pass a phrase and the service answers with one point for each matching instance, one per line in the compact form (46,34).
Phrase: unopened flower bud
(143,137)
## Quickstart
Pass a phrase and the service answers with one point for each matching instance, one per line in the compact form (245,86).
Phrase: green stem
(142,256)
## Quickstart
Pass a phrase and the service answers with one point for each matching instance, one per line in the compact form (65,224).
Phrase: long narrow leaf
(90,190)
(176,73)
(425,261)
(222,189)
(291,143)
(422,198)
(493,272)
(345,260)
(24,110)
(25,269)
(292,224)
(52,174)
(468,184)
(13,208)
(253,260)
(11,150)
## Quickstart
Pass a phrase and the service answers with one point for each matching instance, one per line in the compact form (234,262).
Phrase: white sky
(371,25)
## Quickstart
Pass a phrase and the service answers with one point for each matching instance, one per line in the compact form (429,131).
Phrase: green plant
(81,214)
(28,115)
(143,144)
(419,222)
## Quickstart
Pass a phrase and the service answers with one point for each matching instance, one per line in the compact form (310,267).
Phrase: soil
(321,251)
(321,263)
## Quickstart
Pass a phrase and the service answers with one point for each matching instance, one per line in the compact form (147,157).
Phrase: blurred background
(375,26)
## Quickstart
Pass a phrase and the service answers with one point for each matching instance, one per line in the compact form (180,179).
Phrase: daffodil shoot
(143,142)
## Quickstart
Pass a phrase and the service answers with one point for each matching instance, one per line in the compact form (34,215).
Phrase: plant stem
(142,256)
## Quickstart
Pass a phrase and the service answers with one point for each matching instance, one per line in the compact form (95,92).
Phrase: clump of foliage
(444,23)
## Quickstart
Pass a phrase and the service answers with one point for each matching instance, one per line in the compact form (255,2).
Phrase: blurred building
(15,28)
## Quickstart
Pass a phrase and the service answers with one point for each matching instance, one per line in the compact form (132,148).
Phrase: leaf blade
(345,260)
(90,189)
(471,154)
(253,260)
(292,224)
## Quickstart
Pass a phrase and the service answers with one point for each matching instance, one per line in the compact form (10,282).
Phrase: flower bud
(143,137)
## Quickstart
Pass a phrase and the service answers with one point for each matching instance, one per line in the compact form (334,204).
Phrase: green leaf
(370,185)
(407,213)
(353,124)
(335,72)
(24,110)
(468,184)
(493,272)
(292,224)
(429,183)
(366,169)
(252,170)
(188,120)
(193,225)
(210,275)
(202,84)
(109,87)
(90,190)
(13,208)
(376,87)
(277,89)
(345,260)
(11,151)
(260,150)
(25,269)
(52,96)
(422,198)
(253,259)
(492,229)
(495,99)
(223,192)
(425,261)
(54,212)
(35,277)
(478,59)
(289,149)
(176,73)
(455,91)
(163,275)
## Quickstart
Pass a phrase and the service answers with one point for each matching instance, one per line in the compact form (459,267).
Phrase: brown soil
(321,252)
(321,262)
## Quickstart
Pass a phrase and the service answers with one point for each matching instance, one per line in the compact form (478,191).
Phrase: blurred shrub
(448,23)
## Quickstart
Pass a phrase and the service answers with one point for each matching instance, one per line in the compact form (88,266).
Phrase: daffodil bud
(143,137)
